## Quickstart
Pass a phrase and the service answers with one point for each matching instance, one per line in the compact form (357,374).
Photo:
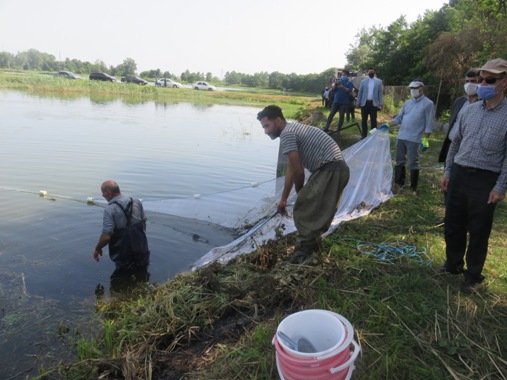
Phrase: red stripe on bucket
(335,365)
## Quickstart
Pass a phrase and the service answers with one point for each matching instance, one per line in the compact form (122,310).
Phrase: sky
(217,36)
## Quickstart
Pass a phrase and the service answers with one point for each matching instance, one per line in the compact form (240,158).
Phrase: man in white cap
(415,119)
(475,176)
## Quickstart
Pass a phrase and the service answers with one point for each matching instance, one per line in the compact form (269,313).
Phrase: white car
(203,86)
(166,82)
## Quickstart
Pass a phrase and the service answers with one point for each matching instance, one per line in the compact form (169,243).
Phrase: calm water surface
(67,147)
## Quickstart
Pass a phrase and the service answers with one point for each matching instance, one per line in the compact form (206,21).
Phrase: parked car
(203,86)
(102,76)
(166,82)
(133,79)
(67,74)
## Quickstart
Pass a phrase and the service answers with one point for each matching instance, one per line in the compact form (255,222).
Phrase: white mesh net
(252,210)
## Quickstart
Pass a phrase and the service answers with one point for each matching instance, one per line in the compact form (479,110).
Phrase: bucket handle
(351,360)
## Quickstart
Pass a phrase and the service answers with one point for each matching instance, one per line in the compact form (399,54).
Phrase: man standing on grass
(415,119)
(475,176)
(341,100)
(310,148)
(369,99)
(471,78)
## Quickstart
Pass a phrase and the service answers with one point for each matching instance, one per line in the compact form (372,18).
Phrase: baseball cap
(495,66)
(415,84)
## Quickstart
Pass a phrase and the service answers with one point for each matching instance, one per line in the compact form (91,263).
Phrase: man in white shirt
(369,99)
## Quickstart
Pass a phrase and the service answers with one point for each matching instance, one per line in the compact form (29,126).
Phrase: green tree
(128,67)
(360,54)
(6,60)
(232,77)
(276,80)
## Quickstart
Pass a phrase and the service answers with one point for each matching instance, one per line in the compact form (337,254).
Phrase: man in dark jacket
(471,83)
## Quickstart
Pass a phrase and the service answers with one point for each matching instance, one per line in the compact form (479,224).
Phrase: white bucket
(331,362)
(320,328)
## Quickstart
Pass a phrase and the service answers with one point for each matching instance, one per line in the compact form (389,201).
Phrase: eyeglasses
(471,80)
(490,80)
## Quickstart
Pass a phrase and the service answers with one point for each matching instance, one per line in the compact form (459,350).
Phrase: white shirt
(371,84)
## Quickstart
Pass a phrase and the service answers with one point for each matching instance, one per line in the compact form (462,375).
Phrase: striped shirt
(481,140)
(315,147)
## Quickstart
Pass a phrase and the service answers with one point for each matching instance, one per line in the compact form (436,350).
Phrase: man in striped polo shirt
(310,148)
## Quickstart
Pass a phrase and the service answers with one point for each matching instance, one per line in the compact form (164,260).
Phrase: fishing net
(251,210)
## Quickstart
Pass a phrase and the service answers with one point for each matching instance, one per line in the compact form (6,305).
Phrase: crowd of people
(474,181)
(474,152)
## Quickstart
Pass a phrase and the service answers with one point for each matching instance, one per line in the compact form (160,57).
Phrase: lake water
(67,147)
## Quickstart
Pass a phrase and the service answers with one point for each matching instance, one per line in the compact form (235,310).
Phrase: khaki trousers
(317,203)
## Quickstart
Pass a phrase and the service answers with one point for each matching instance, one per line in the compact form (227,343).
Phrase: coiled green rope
(391,253)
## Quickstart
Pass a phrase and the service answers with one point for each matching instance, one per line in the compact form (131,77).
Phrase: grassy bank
(411,322)
(218,323)
(47,85)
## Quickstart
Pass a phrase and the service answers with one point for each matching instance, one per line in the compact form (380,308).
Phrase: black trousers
(369,110)
(341,108)
(467,210)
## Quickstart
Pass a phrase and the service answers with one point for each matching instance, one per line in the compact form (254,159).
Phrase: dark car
(67,74)
(102,76)
(133,79)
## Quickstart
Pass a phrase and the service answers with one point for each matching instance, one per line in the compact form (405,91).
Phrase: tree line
(439,47)
(33,59)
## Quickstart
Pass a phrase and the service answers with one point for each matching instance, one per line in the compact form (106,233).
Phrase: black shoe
(299,257)
(444,269)
(469,288)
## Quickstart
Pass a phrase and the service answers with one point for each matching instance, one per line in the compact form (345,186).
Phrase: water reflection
(101,98)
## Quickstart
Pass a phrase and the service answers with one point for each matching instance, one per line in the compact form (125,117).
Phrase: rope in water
(43,193)
(391,253)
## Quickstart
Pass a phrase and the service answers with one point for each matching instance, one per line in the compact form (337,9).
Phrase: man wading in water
(124,230)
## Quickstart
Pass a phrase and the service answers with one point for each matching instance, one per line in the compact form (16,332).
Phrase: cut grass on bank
(410,321)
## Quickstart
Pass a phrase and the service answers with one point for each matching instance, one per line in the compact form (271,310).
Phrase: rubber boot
(414,178)
(399,175)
